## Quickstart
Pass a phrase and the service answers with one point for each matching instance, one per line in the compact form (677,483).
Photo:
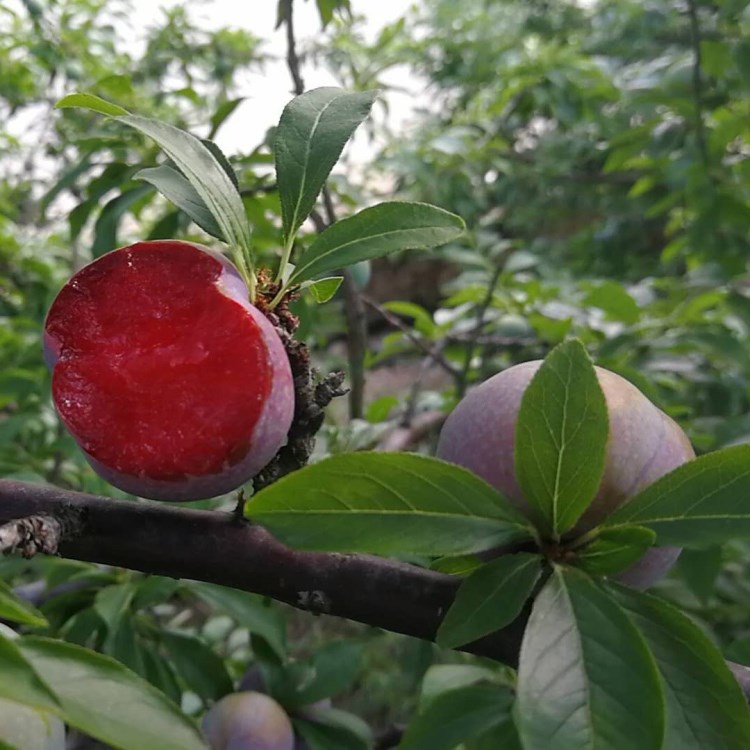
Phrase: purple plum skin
(643,445)
(269,434)
(248,721)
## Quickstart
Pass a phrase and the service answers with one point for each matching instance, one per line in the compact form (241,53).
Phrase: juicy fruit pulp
(643,445)
(172,383)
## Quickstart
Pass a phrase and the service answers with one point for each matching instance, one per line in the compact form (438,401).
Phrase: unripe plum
(172,383)
(248,721)
(643,445)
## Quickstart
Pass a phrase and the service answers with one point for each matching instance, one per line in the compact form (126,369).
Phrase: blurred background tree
(598,152)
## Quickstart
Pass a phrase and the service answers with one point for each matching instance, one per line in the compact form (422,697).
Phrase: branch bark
(203,545)
(215,547)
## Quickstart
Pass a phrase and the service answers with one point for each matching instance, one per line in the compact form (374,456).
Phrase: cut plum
(171,382)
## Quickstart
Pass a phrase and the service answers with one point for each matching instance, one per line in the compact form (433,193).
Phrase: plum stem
(584,539)
(246,271)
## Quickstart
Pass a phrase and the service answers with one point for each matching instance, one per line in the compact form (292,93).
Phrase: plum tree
(172,383)
(643,445)
(248,721)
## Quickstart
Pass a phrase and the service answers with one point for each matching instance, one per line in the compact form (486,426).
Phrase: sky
(269,91)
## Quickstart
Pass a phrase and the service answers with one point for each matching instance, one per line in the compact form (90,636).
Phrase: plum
(248,721)
(172,383)
(643,445)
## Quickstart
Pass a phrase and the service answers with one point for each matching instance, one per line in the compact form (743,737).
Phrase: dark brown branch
(463,377)
(406,437)
(431,350)
(39,532)
(248,192)
(292,59)
(179,542)
(356,335)
(202,545)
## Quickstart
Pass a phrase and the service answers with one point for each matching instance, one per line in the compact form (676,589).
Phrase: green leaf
(203,671)
(67,179)
(334,668)
(561,438)
(92,102)
(20,682)
(175,188)
(323,289)
(377,231)
(706,709)
(124,645)
(456,566)
(615,549)
(224,163)
(159,672)
(112,602)
(456,716)
(223,112)
(442,678)
(153,590)
(107,701)
(703,502)
(326,9)
(108,221)
(16,610)
(489,599)
(25,728)
(204,173)
(586,677)
(611,297)
(504,735)
(386,503)
(249,611)
(700,568)
(332,729)
(312,132)
(197,163)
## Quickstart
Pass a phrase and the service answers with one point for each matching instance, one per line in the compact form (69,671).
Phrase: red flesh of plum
(172,383)
(643,445)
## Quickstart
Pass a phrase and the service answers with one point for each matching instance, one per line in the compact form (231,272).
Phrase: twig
(404,437)
(430,350)
(161,539)
(356,321)
(204,545)
(247,192)
(463,377)
(700,128)
(356,327)
(292,59)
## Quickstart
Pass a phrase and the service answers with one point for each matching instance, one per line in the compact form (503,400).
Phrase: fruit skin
(248,721)
(643,445)
(268,433)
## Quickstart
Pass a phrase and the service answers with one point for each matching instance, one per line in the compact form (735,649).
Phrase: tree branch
(168,540)
(203,545)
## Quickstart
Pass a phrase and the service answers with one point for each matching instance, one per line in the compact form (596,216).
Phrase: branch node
(41,533)
(315,602)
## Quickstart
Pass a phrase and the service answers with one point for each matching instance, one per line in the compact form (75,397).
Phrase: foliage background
(598,152)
